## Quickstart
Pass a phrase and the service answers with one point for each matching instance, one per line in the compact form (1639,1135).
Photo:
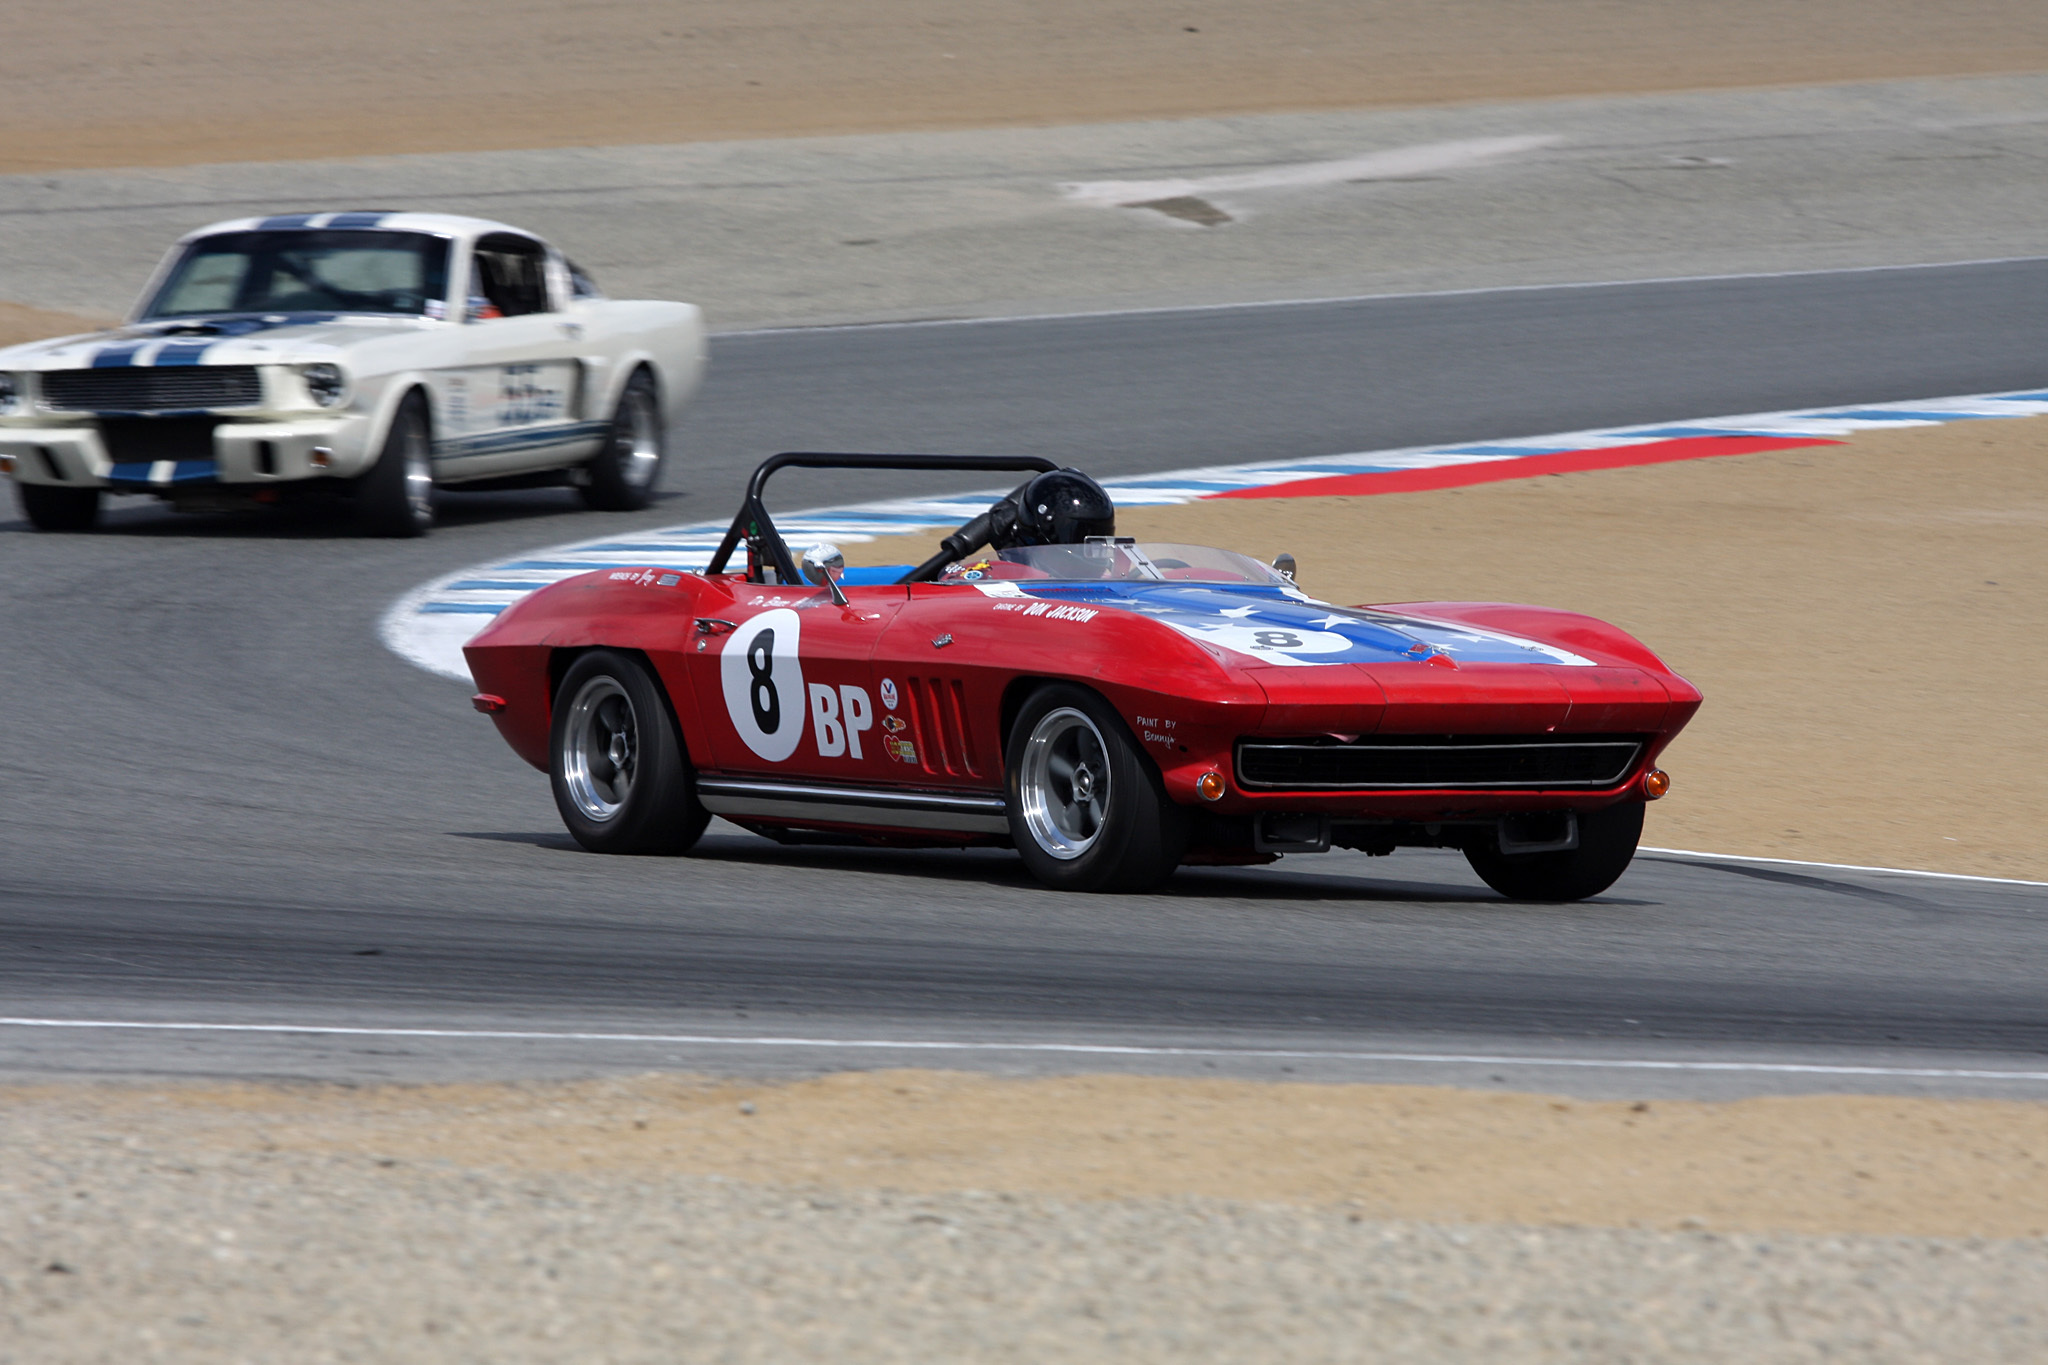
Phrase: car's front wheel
(624,474)
(621,777)
(1607,844)
(50,508)
(396,496)
(1087,810)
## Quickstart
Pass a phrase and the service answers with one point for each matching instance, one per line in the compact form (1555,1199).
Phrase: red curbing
(1523,467)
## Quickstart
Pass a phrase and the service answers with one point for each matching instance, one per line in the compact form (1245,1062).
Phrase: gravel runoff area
(155,82)
(309,1225)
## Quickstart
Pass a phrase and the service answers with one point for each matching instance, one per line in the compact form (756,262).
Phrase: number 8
(761,663)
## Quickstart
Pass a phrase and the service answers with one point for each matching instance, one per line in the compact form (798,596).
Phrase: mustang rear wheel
(50,508)
(1607,843)
(396,496)
(621,778)
(1087,811)
(623,475)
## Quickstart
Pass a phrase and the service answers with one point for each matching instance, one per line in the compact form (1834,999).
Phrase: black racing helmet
(1063,507)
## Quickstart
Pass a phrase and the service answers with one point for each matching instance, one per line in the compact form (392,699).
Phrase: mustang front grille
(1437,762)
(170,388)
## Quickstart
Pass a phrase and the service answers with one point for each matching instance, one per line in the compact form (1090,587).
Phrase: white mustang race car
(378,355)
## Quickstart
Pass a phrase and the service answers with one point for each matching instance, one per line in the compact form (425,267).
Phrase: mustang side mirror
(822,564)
(1283,564)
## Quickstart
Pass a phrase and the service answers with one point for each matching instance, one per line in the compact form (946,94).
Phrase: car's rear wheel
(1087,810)
(623,476)
(621,777)
(396,496)
(1607,844)
(50,508)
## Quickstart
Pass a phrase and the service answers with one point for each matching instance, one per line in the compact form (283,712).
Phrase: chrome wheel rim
(637,439)
(1063,783)
(419,473)
(601,749)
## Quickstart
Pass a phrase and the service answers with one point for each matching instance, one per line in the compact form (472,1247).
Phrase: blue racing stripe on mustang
(286,220)
(356,220)
(183,351)
(119,356)
(130,473)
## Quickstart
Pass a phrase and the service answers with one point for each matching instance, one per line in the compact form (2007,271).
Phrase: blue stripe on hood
(286,220)
(190,348)
(1270,625)
(120,355)
(356,220)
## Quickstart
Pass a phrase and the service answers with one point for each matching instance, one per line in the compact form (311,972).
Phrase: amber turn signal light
(1655,783)
(486,703)
(1210,786)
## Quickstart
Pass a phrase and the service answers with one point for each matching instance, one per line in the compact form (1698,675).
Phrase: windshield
(1129,562)
(307,270)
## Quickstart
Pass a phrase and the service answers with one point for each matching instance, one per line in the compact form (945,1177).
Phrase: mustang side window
(509,278)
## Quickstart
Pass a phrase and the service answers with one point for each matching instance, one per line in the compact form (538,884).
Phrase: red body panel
(912,687)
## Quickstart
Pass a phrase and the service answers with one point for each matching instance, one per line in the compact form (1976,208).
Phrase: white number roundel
(764,683)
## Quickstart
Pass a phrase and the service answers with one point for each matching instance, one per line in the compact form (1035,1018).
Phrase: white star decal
(1236,611)
(1327,621)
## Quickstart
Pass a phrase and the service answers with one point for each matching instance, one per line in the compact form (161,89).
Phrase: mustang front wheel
(623,475)
(50,508)
(621,778)
(1607,843)
(1087,811)
(396,496)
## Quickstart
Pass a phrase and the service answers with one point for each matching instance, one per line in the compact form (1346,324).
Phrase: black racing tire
(50,508)
(624,475)
(621,777)
(1607,843)
(396,497)
(1087,810)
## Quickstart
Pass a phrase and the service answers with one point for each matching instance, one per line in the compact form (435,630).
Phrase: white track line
(1396,296)
(1837,867)
(1057,1049)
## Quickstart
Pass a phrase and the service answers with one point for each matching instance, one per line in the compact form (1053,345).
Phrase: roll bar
(754,526)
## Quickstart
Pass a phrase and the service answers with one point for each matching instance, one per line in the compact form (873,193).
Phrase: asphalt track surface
(225,804)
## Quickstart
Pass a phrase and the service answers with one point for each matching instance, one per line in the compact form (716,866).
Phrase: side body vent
(945,746)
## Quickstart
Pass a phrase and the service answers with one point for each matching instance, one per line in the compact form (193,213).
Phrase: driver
(1063,507)
(1059,507)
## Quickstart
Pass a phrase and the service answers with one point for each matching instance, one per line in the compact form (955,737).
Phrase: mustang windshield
(1148,562)
(306,270)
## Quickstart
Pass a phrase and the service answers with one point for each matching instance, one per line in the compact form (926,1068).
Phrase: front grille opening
(266,457)
(1437,762)
(131,440)
(170,388)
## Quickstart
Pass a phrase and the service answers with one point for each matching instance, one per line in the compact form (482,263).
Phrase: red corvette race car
(1109,708)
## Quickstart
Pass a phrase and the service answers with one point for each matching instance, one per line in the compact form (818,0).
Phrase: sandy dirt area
(1811,1164)
(152,82)
(19,323)
(1868,621)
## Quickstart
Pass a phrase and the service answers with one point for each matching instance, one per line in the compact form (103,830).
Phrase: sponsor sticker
(888,694)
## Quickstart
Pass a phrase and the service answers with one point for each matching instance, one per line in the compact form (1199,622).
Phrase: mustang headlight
(10,393)
(326,383)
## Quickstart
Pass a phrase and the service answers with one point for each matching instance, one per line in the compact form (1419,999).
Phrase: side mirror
(1283,564)
(822,564)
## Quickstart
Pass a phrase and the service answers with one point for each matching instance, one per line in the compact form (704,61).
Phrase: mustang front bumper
(242,453)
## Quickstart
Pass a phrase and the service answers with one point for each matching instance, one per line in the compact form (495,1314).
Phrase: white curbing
(429,625)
